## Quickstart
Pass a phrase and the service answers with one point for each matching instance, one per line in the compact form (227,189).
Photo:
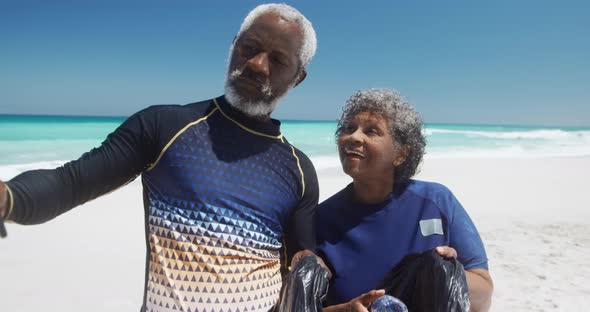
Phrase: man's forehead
(268,23)
(273,18)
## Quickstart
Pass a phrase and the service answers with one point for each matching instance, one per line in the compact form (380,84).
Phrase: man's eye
(248,50)
(279,61)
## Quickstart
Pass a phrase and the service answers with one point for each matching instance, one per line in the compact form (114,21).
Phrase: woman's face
(367,150)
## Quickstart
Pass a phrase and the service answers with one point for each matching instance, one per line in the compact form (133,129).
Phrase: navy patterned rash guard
(227,200)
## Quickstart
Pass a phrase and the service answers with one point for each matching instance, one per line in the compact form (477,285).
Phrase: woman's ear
(402,155)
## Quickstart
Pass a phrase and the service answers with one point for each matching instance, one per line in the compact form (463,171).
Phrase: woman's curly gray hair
(405,124)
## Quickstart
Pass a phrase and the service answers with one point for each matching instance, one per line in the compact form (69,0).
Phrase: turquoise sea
(46,141)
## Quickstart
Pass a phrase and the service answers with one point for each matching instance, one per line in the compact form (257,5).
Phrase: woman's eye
(372,131)
(348,129)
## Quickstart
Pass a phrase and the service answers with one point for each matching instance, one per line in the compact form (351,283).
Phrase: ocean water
(28,142)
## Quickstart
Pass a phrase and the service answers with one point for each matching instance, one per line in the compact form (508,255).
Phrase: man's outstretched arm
(40,195)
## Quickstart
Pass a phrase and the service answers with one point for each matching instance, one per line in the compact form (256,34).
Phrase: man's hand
(306,252)
(446,252)
(3,208)
(3,200)
(300,254)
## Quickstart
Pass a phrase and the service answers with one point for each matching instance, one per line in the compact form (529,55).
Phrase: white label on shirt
(431,227)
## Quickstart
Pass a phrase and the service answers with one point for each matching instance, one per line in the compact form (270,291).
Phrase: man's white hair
(289,13)
(305,54)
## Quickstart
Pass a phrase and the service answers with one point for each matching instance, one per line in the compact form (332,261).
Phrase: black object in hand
(428,282)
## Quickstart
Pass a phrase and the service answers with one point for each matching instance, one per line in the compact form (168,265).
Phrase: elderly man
(227,198)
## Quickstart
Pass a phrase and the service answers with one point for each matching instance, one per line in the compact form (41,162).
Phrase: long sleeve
(41,195)
(301,231)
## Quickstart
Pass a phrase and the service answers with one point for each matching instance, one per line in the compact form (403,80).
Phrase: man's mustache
(265,88)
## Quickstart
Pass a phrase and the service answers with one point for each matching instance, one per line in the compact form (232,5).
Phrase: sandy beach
(533,216)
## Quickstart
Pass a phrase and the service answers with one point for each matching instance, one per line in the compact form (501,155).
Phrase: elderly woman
(368,227)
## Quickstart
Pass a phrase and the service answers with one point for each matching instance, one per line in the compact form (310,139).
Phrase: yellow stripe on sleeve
(300,170)
(178,134)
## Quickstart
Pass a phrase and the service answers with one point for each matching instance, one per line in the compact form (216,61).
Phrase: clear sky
(498,62)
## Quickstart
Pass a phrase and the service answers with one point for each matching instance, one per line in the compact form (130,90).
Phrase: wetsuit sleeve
(301,230)
(41,195)
(465,238)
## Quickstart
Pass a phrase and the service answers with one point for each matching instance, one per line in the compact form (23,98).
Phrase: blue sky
(498,62)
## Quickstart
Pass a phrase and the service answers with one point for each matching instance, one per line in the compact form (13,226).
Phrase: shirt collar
(270,128)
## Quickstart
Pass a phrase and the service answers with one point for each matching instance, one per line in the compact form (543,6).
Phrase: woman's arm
(465,238)
(479,282)
(481,287)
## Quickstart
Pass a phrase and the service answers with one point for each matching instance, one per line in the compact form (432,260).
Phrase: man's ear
(300,77)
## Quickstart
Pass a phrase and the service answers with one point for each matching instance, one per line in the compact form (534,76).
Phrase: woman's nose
(356,136)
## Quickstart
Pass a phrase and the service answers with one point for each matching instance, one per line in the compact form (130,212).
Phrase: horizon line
(312,120)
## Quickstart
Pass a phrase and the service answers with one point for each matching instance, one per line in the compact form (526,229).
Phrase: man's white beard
(251,108)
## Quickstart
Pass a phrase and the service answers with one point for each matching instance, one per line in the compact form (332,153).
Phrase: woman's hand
(358,304)
(364,301)
(446,252)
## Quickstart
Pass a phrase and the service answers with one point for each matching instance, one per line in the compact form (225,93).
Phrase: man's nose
(259,63)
